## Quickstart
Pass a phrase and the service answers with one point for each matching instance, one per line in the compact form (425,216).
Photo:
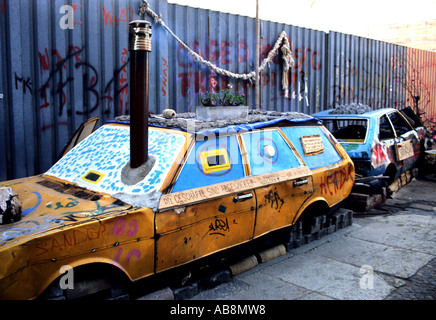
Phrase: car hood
(49,205)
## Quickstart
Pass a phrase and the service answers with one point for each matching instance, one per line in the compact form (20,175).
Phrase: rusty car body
(208,190)
(380,142)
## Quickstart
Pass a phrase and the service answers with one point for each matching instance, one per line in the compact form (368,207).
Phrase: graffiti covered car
(208,187)
(380,142)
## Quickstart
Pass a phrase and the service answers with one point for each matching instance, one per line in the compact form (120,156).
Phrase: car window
(210,162)
(268,152)
(348,130)
(385,129)
(401,126)
(327,154)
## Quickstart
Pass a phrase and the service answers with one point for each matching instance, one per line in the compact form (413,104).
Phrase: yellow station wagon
(208,187)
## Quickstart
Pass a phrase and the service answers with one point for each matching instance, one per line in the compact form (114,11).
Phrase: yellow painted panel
(335,184)
(277,205)
(221,189)
(198,230)
(58,228)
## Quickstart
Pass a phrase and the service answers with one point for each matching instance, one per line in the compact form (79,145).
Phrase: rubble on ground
(352,108)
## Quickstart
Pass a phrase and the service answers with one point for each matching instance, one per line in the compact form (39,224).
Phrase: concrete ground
(389,255)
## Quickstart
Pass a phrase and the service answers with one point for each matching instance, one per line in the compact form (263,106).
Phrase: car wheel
(391,172)
(89,283)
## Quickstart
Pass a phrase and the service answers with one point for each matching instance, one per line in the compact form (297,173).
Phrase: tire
(96,282)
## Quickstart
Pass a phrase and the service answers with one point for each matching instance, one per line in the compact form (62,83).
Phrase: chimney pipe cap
(139,35)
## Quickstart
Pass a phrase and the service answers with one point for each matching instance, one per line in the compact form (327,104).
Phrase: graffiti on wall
(62,69)
(53,92)
(226,53)
(374,83)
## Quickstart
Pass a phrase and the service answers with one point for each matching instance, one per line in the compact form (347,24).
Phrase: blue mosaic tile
(107,150)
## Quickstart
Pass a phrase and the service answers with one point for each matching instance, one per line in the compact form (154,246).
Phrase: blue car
(380,142)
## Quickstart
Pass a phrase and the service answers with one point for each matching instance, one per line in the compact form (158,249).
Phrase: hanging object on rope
(288,59)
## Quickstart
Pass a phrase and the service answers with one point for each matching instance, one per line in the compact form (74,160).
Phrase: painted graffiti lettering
(119,227)
(70,239)
(57,71)
(273,198)
(73,52)
(200,81)
(336,180)
(219,227)
(78,215)
(134,252)
(54,88)
(379,155)
(165,77)
(21,228)
(302,57)
(26,84)
(71,203)
(111,19)
(305,59)
(212,51)
(354,84)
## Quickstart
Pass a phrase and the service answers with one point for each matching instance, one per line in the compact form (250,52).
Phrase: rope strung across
(288,59)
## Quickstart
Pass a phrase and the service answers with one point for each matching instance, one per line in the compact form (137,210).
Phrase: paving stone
(422,207)
(421,286)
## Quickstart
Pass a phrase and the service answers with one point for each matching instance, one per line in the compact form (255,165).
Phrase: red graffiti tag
(335,181)
(165,77)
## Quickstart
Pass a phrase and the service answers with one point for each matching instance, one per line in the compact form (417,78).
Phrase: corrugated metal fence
(57,72)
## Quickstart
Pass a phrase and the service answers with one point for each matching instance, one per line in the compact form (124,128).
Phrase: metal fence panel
(421,83)
(53,78)
(363,70)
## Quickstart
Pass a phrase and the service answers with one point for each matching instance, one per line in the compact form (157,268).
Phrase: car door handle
(243,197)
(300,183)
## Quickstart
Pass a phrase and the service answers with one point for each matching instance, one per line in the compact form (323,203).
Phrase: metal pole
(139,47)
(257,91)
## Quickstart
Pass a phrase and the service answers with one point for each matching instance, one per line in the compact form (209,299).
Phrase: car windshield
(347,130)
(97,161)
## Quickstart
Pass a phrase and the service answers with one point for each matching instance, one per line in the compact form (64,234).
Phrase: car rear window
(210,162)
(347,130)
(319,158)
(268,152)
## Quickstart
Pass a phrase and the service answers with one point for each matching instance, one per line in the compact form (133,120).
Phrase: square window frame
(213,153)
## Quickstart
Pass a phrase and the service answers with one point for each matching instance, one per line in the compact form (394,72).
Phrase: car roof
(326,114)
(256,119)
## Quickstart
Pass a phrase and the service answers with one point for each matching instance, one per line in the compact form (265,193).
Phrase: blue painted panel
(328,157)
(281,158)
(192,175)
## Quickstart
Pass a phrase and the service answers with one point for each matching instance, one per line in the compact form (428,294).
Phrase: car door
(383,149)
(284,183)
(211,205)
(407,143)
